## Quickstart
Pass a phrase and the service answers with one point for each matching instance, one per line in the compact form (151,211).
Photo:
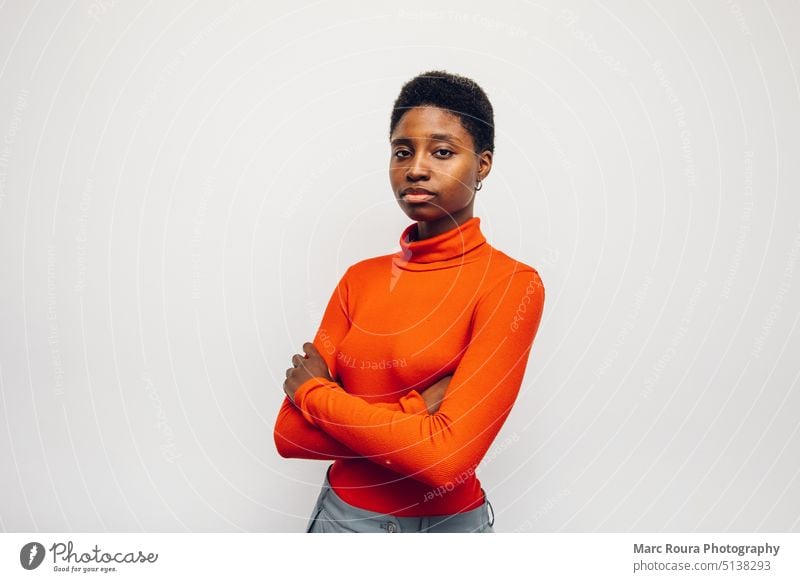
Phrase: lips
(416,195)
(417,192)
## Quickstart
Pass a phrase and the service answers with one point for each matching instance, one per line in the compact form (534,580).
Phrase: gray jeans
(332,514)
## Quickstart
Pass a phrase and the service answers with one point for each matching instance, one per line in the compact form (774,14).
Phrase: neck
(427,229)
(455,247)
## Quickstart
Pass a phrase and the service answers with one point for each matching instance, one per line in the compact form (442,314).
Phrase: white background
(183,183)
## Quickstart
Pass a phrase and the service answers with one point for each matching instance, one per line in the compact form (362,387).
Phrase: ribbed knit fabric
(394,325)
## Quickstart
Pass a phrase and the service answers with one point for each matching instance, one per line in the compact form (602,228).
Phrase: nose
(417,168)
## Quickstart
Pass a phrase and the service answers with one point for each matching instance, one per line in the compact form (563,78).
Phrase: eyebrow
(434,136)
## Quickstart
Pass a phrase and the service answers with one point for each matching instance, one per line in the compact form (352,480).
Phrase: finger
(310,349)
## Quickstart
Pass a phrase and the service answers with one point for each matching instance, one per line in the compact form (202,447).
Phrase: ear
(484,164)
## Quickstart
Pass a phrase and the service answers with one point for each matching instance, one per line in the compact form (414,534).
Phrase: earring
(479,185)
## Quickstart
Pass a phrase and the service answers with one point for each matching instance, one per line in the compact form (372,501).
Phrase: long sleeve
(296,438)
(438,448)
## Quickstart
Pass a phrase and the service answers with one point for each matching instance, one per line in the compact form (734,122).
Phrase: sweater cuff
(413,403)
(301,394)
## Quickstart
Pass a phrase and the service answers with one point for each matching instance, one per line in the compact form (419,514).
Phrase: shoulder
(361,277)
(511,302)
(509,272)
(366,267)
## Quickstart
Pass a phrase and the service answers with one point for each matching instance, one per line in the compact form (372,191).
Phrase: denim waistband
(332,508)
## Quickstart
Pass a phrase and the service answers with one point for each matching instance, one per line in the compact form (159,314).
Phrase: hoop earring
(479,185)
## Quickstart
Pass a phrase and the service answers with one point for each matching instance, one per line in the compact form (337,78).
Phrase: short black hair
(459,95)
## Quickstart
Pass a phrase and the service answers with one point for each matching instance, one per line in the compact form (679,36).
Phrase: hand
(434,394)
(313,365)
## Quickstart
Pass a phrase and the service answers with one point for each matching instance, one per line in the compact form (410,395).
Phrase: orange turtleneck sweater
(394,325)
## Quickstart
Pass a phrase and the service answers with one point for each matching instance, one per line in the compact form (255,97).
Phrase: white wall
(181,185)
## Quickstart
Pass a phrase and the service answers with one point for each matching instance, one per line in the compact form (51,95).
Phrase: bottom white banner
(497,557)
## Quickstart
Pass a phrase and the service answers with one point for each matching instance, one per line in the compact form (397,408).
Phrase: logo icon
(31,555)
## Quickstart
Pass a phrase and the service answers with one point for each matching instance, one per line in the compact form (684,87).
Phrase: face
(434,156)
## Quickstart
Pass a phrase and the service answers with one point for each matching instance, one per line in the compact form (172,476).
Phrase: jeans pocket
(315,514)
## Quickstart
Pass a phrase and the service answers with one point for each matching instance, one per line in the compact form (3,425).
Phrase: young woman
(420,354)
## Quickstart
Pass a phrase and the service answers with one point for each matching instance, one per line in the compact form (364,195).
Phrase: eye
(398,153)
(444,153)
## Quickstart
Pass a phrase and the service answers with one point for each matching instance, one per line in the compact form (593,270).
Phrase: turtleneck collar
(450,248)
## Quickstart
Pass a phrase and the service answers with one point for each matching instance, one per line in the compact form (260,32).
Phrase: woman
(420,354)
